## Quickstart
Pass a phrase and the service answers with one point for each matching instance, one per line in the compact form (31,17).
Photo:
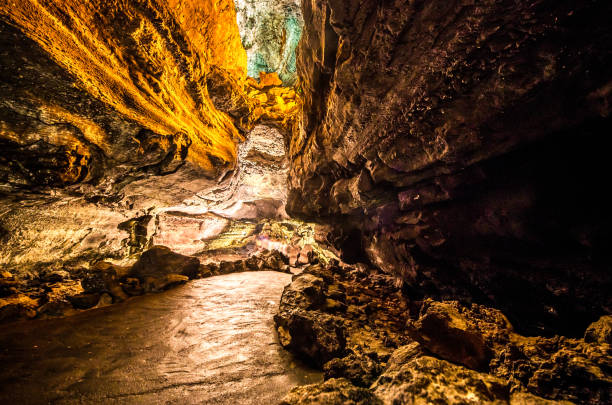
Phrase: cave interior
(305,202)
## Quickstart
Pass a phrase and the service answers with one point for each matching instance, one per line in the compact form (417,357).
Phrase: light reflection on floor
(210,341)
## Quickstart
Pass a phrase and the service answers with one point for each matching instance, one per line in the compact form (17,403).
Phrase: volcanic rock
(600,331)
(160,261)
(442,330)
(336,391)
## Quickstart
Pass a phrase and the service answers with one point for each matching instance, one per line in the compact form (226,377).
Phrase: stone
(160,261)
(427,380)
(419,142)
(270,32)
(316,336)
(164,282)
(600,331)
(361,371)
(337,391)
(269,79)
(442,330)
(84,300)
(132,286)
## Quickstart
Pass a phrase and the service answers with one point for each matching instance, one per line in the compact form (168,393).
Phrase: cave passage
(211,341)
(315,202)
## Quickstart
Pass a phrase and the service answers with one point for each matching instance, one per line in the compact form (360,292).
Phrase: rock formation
(378,345)
(270,31)
(462,147)
(438,170)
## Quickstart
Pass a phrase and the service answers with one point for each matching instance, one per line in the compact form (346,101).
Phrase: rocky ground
(65,291)
(396,350)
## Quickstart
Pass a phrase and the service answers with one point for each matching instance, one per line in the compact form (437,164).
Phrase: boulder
(360,370)
(163,283)
(600,331)
(428,380)
(312,334)
(337,391)
(160,261)
(443,330)
(84,300)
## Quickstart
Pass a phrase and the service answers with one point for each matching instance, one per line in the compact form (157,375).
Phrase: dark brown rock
(360,370)
(331,392)
(448,136)
(314,335)
(442,330)
(600,331)
(84,300)
(160,261)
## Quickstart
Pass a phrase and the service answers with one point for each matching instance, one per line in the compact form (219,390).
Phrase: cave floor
(209,341)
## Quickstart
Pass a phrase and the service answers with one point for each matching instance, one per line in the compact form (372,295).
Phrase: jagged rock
(360,370)
(8,284)
(84,300)
(316,336)
(600,331)
(17,307)
(270,31)
(155,284)
(437,158)
(336,391)
(104,277)
(444,331)
(132,286)
(426,380)
(160,261)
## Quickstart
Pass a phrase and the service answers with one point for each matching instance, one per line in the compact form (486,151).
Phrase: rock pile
(401,351)
(61,292)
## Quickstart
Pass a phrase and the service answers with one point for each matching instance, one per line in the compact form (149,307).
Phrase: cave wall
(462,147)
(270,31)
(95,90)
(111,111)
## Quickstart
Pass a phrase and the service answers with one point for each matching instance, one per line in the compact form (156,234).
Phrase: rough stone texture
(331,392)
(113,113)
(442,330)
(465,146)
(600,331)
(558,368)
(161,261)
(427,380)
(270,31)
(465,353)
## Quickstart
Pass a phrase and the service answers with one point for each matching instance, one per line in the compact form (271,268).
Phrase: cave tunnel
(305,202)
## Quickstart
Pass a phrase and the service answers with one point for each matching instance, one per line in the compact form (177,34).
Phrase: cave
(305,202)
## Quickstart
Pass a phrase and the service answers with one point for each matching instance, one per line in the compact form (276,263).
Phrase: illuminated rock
(270,31)
(118,85)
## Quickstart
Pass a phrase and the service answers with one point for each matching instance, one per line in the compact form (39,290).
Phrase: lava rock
(84,300)
(152,284)
(314,335)
(160,261)
(427,380)
(444,331)
(336,391)
(600,331)
(361,371)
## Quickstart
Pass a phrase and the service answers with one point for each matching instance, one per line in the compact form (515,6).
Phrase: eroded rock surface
(402,350)
(463,145)
(55,292)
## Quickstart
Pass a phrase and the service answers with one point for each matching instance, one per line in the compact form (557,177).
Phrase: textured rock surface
(119,85)
(331,392)
(51,293)
(463,354)
(464,145)
(270,31)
